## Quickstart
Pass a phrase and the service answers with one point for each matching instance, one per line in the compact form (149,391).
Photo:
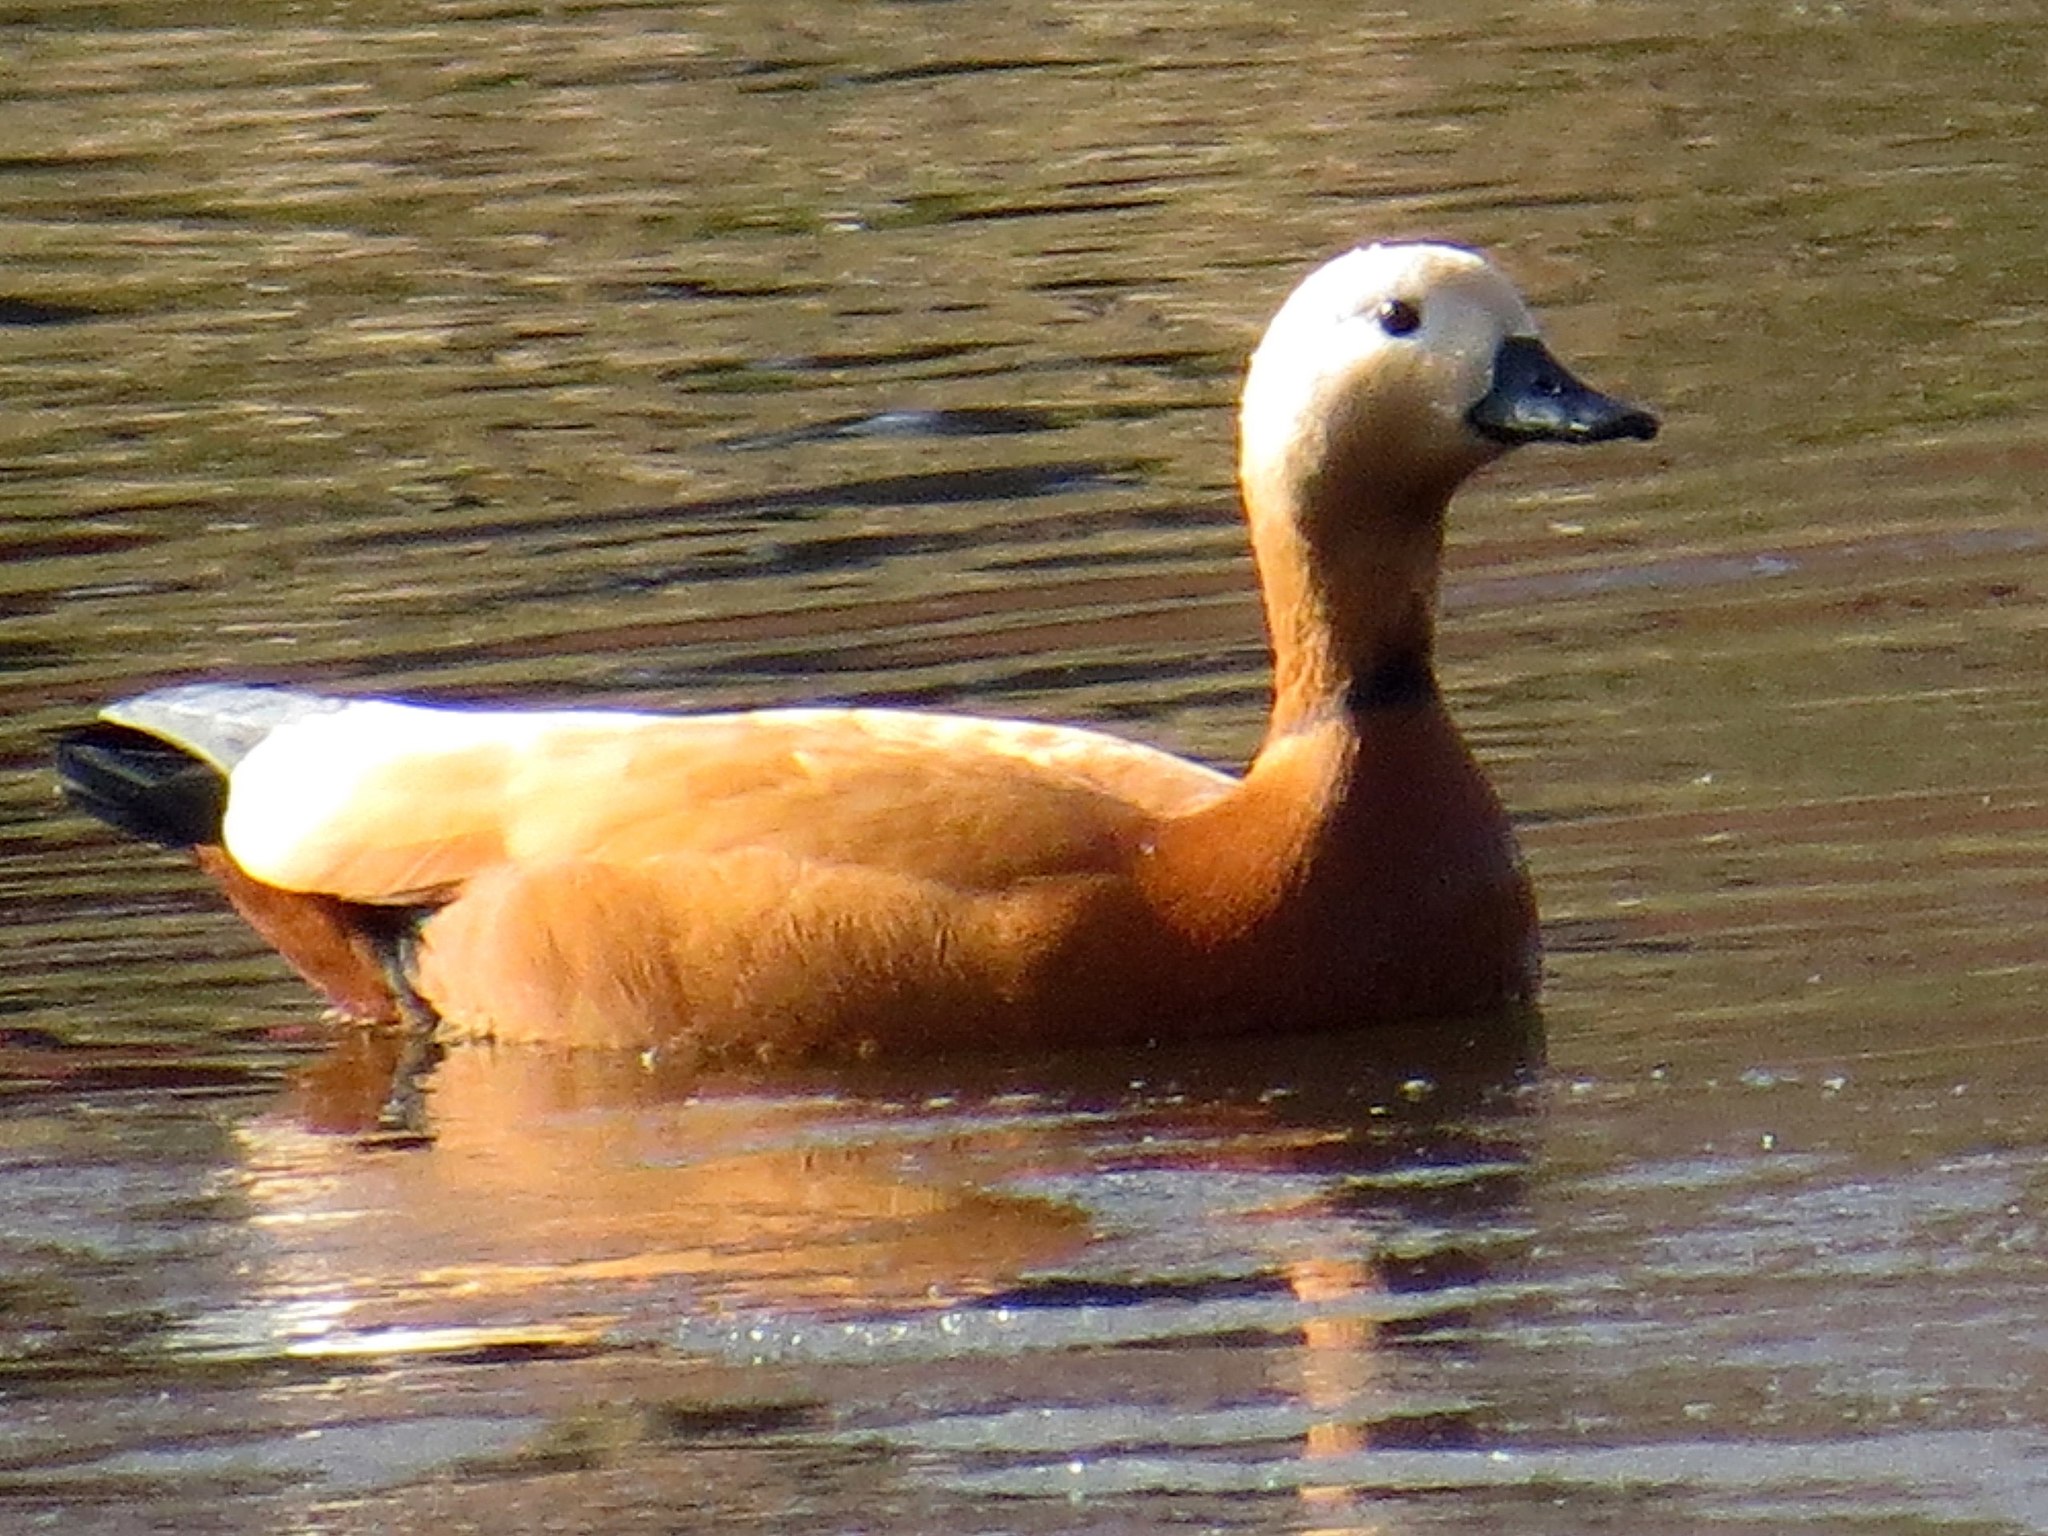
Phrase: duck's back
(384,802)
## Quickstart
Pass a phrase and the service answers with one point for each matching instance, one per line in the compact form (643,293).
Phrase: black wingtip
(141,784)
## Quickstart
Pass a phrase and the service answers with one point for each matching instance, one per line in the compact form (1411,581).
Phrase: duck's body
(836,880)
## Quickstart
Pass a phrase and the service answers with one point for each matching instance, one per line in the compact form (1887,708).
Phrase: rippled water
(799,351)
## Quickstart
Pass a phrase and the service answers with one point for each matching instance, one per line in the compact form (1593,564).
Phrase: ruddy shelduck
(823,881)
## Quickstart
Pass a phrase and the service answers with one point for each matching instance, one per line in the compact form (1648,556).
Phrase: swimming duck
(824,881)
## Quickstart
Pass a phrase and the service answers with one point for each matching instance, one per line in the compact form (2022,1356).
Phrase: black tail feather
(142,784)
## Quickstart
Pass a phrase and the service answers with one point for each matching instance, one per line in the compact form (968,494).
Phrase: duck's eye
(1398,317)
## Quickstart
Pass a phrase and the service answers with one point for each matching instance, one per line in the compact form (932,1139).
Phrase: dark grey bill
(1535,399)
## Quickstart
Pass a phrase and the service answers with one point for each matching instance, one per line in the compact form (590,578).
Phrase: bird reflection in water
(1351,1192)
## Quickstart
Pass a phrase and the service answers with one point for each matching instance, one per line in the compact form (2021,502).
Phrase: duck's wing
(376,801)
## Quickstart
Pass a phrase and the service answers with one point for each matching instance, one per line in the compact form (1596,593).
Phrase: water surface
(797,352)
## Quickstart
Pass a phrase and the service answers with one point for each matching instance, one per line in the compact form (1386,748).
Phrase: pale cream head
(1363,381)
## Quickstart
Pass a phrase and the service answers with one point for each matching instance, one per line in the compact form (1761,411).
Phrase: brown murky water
(820,350)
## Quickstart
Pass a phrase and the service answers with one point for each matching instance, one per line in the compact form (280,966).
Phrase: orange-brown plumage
(840,881)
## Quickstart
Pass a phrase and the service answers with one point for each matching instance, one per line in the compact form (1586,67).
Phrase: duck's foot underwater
(403,1120)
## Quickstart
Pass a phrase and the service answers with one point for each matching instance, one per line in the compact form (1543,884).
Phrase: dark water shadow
(18,309)
(938,488)
(1411,1074)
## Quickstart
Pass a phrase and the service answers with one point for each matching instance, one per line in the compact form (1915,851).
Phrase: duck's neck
(1356,725)
(1350,598)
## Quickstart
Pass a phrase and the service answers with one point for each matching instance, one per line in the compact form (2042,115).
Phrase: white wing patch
(376,778)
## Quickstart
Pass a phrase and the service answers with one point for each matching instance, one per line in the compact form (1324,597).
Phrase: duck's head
(1392,373)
